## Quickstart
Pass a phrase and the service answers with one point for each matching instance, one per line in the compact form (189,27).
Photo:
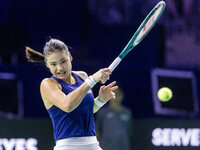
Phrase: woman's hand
(102,75)
(106,92)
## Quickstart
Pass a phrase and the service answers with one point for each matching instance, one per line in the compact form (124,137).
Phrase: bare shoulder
(47,86)
(82,74)
(49,82)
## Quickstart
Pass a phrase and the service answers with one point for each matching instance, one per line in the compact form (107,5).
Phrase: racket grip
(115,63)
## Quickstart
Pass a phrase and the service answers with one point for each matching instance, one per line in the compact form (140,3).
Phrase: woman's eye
(63,61)
(53,64)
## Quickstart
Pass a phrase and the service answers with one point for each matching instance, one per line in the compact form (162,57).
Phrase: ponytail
(34,56)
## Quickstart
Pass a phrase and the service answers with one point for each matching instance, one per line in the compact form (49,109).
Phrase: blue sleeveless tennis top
(79,122)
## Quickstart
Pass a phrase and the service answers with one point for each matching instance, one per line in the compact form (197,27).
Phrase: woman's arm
(95,108)
(105,94)
(52,93)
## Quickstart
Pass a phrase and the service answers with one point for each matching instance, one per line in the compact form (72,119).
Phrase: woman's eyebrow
(52,62)
(62,59)
(57,61)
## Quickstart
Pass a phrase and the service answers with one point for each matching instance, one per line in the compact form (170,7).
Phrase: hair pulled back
(50,47)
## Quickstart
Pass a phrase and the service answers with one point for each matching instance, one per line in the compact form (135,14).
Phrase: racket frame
(131,44)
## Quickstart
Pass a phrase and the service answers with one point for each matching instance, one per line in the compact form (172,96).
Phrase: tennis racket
(141,32)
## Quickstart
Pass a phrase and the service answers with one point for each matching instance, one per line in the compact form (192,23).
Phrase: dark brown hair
(50,47)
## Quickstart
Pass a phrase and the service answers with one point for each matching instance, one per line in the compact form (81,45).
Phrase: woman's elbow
(68,108)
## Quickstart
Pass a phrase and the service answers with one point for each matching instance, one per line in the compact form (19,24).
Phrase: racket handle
(115,63)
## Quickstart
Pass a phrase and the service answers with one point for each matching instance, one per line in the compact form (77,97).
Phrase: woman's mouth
(61,74)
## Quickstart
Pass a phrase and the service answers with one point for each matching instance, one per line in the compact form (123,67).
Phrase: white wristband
(98,102)
(90,81)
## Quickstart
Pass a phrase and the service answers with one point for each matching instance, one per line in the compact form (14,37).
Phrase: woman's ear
(47,65)
(71,58)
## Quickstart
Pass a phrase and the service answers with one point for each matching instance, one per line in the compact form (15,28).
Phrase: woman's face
(60,65)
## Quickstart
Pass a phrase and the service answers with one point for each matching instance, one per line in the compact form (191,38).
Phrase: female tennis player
(68,97)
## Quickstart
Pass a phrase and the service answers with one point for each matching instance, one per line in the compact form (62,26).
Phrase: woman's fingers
(114,88)
(102,75)
(105,75)
(111,84)
(107,70)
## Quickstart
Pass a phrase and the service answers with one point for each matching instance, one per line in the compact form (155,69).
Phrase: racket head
(144,28)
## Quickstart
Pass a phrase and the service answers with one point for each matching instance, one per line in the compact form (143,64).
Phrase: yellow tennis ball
(164,94)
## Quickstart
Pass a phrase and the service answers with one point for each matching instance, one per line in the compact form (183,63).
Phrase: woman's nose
(59,67)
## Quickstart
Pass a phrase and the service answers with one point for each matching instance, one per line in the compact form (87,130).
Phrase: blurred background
(97,31)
